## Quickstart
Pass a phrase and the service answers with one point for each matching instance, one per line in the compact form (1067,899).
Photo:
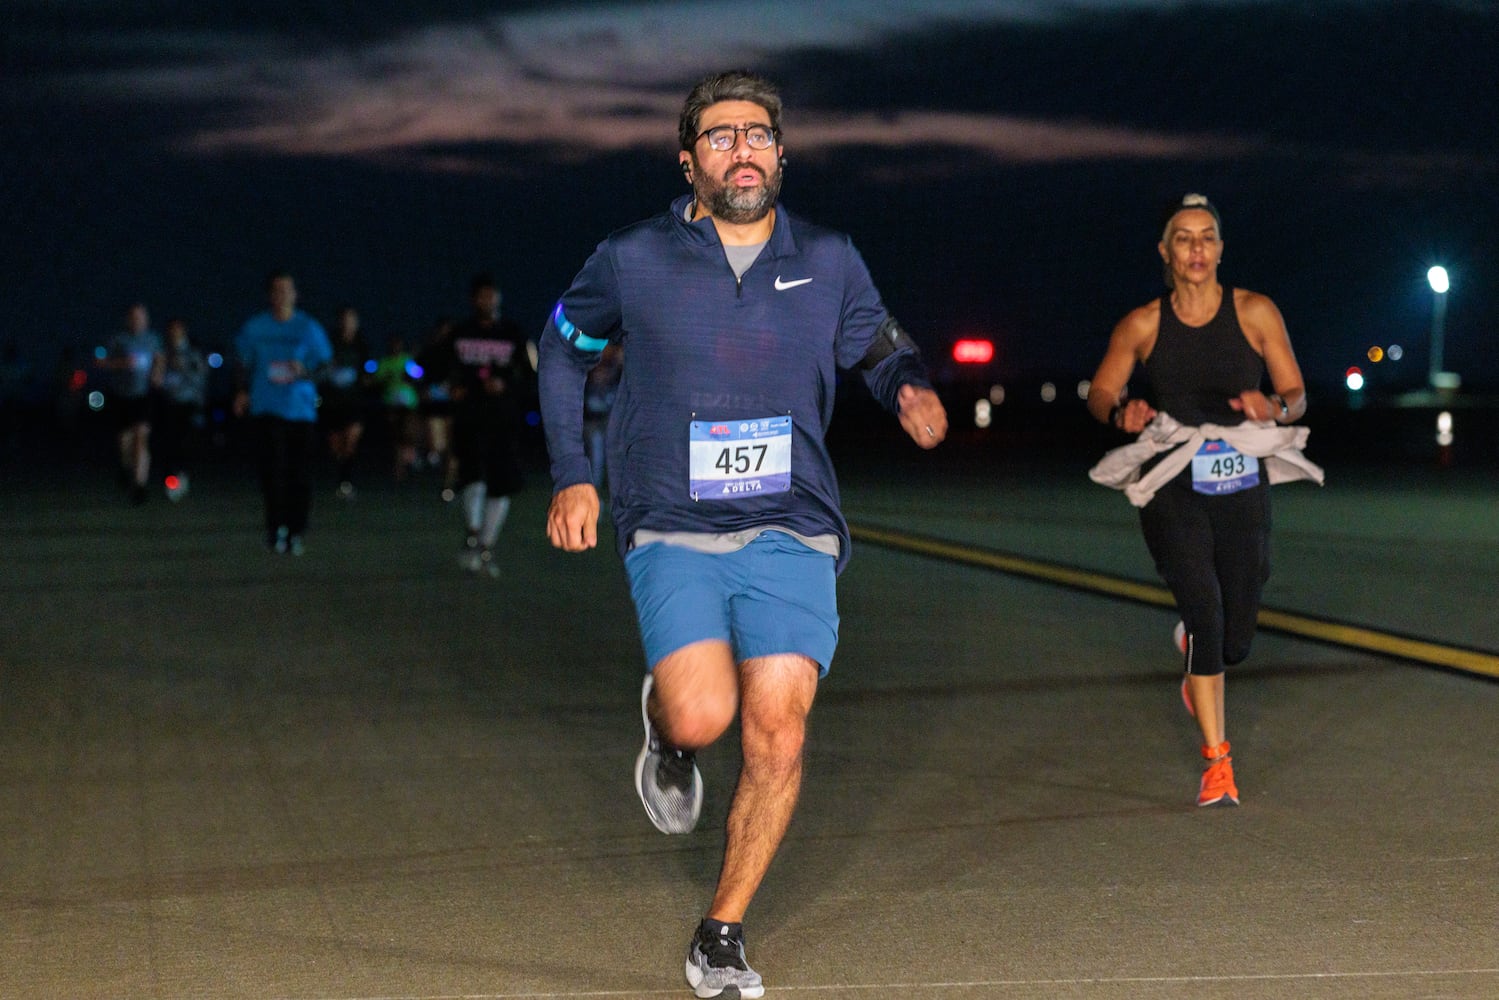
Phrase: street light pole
(1437,277)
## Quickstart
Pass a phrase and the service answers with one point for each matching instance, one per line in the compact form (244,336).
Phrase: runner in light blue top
(282,353)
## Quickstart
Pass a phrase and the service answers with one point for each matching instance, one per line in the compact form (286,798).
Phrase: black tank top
(1195,370)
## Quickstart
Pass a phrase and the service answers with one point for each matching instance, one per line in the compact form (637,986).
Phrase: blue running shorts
(775,595)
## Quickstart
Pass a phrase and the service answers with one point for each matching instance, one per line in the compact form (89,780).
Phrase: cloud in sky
(597,78)
(572,82)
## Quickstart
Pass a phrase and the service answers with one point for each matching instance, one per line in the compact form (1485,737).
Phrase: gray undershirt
(740,258)
(730,541)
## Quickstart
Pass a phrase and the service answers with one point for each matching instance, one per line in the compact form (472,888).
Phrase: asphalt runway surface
(363,773)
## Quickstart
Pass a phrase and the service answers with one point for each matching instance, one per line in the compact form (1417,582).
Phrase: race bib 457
(732,459)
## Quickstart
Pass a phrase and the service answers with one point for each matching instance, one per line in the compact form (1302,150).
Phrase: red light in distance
(973,352)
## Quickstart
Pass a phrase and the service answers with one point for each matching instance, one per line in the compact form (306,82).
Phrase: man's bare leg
(694,694)
(776,695)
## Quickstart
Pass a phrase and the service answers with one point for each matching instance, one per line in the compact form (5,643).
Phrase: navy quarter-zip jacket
(701,345)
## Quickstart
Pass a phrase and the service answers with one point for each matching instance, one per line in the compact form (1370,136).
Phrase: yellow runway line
(1472,661)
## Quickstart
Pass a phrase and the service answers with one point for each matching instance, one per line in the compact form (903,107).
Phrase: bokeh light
(973,351)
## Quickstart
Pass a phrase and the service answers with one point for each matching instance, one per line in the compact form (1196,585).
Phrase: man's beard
(736,205)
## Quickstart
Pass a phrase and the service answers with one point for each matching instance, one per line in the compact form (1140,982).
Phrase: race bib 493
(1219,468)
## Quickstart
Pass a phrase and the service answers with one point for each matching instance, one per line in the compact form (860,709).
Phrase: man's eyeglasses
(723,137)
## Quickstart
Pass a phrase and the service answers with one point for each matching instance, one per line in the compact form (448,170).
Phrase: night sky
(1002,165)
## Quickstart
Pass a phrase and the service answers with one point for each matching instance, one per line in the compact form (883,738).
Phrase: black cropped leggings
(1214,554)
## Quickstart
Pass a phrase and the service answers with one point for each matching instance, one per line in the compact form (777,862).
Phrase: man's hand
(922,415)
(573,518)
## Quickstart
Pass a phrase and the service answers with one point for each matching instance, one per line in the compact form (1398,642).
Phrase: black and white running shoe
(667,779)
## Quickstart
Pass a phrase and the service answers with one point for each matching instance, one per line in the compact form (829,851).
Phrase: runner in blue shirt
(282,353)
(733,316)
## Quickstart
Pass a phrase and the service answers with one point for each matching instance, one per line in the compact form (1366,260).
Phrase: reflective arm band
(573,335)
(887,340)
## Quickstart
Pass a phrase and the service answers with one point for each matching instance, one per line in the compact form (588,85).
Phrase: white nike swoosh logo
(781,286)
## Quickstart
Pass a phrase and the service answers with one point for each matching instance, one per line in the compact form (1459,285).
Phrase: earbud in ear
(686,168)
(783,161)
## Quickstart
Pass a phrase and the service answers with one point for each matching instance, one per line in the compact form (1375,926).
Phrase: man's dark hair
(735,85)
(276,275)
(481,281)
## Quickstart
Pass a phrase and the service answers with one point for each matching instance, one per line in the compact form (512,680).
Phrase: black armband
(889,339)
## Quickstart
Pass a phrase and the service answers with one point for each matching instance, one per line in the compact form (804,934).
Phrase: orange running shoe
(1218,786)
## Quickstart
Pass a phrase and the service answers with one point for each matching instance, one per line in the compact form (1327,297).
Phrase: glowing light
(172,482)
(96,400)
(1376,354)
(414,370)
(1395,353)
(996,394)
(215,360)
(370,366)
(1444,422)
(972,351)
(1083,388)
(1438,278)
(101,353)
(1354,378)
(1048,392)
(983,413)
(77,380)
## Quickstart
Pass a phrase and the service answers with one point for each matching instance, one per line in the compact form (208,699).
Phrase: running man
(134,358)
(1205,505)
(283,352)
(342,398)
(489,369)
(733,316)
(184,394)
